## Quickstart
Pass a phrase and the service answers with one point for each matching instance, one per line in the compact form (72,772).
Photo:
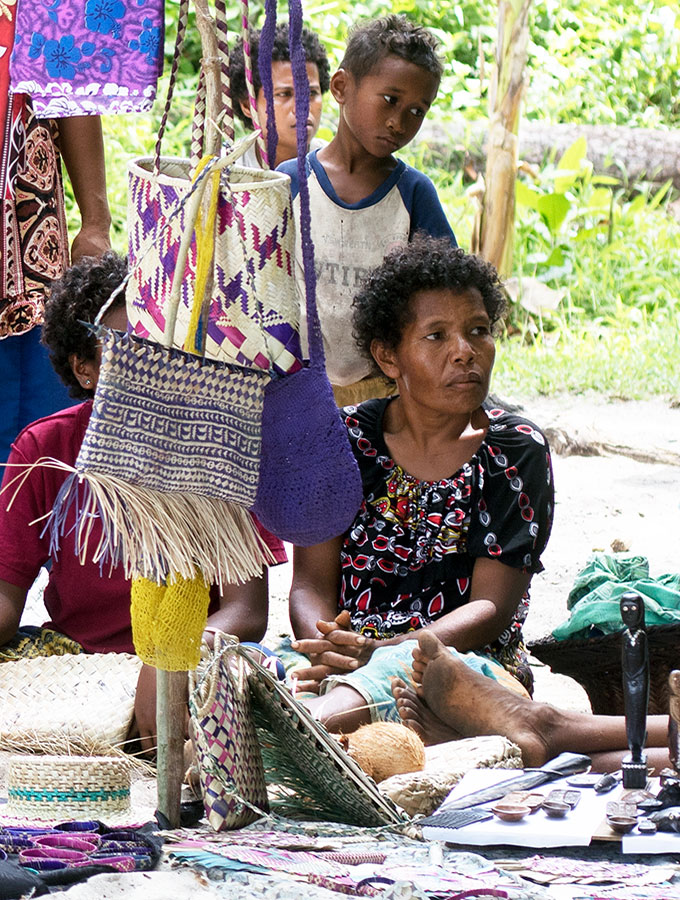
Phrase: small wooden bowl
(511,812)
(556,809)
(621,824)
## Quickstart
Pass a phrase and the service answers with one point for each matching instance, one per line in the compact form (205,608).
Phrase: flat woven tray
(596,664)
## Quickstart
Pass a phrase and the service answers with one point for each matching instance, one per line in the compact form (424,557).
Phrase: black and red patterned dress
(409,555)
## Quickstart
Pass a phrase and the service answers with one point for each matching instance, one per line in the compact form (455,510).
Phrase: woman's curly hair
(315,52)
(382,308)
(75,298)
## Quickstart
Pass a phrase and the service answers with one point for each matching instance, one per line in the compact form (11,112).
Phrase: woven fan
(309,774)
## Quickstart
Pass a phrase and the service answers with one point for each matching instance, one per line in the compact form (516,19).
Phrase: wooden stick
(211,64)
(171,687)
(171,705)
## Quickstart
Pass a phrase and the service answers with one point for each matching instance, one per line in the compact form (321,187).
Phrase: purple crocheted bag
(310,487)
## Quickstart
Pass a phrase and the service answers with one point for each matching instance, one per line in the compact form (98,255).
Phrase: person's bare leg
(416,715)
(342,709)
(474,704)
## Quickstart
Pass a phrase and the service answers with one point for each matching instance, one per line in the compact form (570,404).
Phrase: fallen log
(631,154)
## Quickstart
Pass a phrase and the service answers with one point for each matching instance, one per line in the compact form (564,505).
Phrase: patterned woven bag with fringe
(225,741)
(170,460)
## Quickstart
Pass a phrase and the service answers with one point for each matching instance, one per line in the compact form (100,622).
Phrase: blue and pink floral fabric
(87,57)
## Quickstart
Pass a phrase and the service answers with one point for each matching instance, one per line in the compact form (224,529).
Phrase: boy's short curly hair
(370,42)
(75,298)
(314,53)
(382,307)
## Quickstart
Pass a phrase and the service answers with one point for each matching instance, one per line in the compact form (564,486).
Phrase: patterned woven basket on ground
(59,787)
(596,664)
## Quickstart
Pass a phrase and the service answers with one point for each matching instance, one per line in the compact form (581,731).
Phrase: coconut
(383,749)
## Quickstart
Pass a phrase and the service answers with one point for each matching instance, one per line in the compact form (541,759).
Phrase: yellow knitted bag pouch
(168,621)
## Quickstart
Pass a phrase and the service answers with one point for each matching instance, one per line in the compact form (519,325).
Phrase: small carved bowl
(621,824)
(511,812)
(556,809)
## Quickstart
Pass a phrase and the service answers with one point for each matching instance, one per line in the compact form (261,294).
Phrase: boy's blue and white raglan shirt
(350,239)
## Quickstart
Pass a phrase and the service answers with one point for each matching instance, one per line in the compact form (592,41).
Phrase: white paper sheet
(536,830)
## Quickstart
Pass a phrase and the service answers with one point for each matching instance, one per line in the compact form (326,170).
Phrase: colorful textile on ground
(312,872)
(594,599)
(31,642)
(83,57)
(77,845)
(33,236)
(409,555)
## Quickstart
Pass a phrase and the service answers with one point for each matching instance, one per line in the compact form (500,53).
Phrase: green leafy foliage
(612,254)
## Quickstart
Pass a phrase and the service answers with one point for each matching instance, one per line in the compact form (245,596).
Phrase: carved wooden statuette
(674,718)
(635,667)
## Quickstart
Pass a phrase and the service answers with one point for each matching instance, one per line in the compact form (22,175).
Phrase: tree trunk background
(630,154)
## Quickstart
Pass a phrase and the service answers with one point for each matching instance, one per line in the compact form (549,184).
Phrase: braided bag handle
(226,114)
(298,61)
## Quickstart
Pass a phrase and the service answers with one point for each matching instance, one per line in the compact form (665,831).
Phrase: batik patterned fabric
(33,236)
(408,557)
(88,57)
(253,317)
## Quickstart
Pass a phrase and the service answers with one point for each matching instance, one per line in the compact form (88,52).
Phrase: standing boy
(363,200)
(318,75)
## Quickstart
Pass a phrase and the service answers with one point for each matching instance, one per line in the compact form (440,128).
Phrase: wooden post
(171,707)
(172,687)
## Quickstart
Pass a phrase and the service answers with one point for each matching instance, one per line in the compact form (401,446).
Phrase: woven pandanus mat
(308,772)
(76,703)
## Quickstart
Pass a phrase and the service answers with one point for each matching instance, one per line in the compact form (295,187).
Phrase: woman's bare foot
(474,704)
(417,716)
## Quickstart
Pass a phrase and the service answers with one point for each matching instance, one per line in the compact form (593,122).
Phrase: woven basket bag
(226,745)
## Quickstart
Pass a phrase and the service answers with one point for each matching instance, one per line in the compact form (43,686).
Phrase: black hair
(370,42)
(75,298)
(382,308)
(314,53)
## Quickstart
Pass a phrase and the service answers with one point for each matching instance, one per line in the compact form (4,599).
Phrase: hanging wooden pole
(172,687)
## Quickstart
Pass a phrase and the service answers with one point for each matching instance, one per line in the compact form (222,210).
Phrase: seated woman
(89,608)
(458,497)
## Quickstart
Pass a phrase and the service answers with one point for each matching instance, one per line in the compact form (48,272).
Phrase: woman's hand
(336,650)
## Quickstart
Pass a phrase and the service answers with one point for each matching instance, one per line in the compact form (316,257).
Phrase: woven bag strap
(226,114)
(264,65)
(182,20)
(223,113)
(301,84)
(250,86)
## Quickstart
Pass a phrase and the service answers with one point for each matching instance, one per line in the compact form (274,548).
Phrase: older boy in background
(318,75)
(363,200)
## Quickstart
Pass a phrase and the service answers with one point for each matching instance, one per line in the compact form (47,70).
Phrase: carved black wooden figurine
(635,666)
(674,718)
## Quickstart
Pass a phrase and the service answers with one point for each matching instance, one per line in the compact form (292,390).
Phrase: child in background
(363,200)
(318,74)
